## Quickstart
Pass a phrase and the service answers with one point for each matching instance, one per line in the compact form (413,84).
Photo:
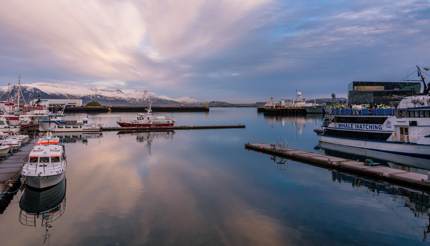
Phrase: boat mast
(19,90)
(423,78)
(147,97)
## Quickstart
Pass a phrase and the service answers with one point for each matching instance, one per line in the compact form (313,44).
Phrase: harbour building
(377,92)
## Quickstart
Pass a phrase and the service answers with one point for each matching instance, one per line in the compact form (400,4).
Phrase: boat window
(55,159)
(421,114)
(44,159)
(427,114)
(33,159)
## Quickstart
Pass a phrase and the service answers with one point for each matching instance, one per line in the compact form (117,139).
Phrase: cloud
(118,40)
(224,49)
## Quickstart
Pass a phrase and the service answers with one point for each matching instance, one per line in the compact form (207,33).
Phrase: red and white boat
(148,120)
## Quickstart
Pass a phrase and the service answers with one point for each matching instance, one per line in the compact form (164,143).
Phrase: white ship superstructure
(46,164)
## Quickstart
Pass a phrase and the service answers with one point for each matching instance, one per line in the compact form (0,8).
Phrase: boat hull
(415,150)
(404,160)
(144,125)
(42,182)
(39,201)
(4,151)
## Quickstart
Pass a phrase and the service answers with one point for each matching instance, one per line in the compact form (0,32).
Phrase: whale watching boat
(148,120)
(406,132)
(46,164)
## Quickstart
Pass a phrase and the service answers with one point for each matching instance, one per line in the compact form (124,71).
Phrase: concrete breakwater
(105,109)
(291,110)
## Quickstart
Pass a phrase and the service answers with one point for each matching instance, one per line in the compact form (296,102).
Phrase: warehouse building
(388,93)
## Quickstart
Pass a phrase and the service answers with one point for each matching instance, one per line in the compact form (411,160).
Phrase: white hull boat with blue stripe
(405,133)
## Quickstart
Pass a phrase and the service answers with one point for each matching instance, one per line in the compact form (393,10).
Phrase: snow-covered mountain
(106,96)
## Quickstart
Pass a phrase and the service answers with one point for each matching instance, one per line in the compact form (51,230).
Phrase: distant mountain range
(108,96)
(105,96)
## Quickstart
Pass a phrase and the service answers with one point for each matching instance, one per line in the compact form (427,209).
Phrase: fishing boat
(148,120)
(406,132)
(46,164)
(298,106)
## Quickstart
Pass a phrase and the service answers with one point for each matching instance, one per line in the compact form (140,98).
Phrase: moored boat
(58,124)
(406,132)
(148,120)
(46,164)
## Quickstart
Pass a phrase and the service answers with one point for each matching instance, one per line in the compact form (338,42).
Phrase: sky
(235,50)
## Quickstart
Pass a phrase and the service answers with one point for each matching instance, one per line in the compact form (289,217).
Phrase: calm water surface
(204,188)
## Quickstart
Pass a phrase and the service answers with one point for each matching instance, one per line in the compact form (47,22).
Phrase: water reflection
(41,208)
(417,202)
(204,188)
(149,137)
(299,122)
(75,137)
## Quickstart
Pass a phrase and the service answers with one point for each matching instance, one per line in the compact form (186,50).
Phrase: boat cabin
(43,155)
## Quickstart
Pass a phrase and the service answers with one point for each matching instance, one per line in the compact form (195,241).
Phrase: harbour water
(204,188)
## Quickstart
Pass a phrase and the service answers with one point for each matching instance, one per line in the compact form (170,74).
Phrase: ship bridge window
(33,159)
(44,159)
(55,159)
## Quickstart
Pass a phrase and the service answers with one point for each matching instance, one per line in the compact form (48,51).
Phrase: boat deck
(411,179)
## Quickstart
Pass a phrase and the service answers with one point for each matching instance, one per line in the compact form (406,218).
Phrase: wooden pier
(411,179)
(155,129)
(10,172)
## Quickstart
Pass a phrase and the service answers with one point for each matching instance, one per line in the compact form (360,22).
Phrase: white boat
(148,120)
(405,133)
(46,164)
(13,143)
(4,150)
(6,128)
(58,124)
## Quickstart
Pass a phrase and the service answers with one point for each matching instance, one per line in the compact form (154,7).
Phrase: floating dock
(10,172)
(155,129)
(411,179)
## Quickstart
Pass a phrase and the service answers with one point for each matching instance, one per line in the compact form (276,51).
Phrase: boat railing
(364,112)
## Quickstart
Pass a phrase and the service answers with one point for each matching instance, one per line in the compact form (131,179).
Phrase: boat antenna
(423,78)
(147,97)
(18,94)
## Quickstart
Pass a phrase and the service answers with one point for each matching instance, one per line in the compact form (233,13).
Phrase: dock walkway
(393,175)
(154,129)
(10,168)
